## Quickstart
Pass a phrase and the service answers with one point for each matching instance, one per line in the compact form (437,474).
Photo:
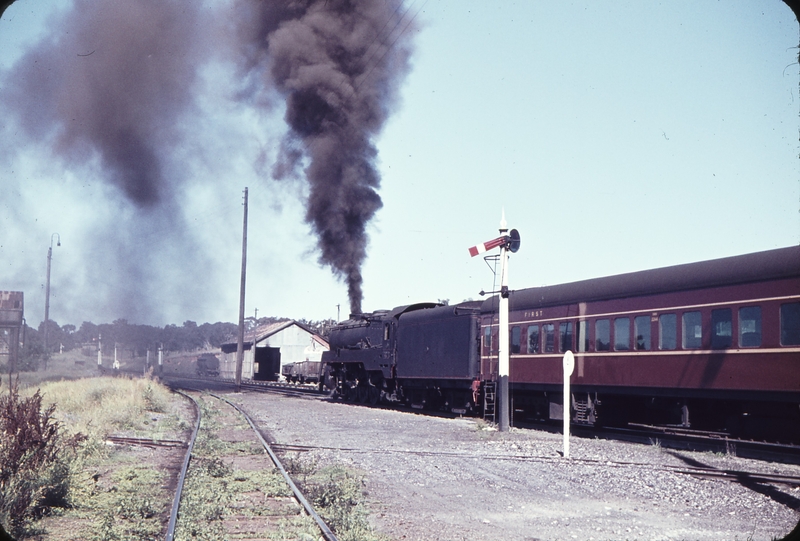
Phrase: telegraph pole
(240,341)
(47,294)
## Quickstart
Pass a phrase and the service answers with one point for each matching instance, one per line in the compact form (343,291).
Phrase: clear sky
(617,136)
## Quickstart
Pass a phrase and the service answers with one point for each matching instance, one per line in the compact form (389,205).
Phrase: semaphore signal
(511,241)
(508,241)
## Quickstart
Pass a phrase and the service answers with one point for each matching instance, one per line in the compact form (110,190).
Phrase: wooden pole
(240,341)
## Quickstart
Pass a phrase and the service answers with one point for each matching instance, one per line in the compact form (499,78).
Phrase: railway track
(669,437)
(695,471)
(697,440)
(292,389)
(176,503)
(326,532)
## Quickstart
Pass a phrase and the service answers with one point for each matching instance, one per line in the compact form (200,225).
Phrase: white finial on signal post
(507,241)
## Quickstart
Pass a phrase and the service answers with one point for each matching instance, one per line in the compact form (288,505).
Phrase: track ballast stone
(431,478)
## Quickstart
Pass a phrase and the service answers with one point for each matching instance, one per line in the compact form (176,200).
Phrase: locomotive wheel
(374,395)
(363,394)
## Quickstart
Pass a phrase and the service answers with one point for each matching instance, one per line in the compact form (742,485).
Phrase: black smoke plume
(338,63)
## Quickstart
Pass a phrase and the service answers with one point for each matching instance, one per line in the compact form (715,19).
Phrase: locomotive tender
(713,345)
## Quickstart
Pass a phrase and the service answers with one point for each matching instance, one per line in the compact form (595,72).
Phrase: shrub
(337,495)
(34,471)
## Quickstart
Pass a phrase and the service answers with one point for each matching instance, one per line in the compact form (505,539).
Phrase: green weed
(337,494)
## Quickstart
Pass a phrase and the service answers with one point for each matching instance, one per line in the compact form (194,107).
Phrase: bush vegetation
(34,460)
(57,462)
(69,470)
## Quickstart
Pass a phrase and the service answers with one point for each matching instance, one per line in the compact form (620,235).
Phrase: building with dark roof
(268,347)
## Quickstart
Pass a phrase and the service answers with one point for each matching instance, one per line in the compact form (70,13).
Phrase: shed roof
(262,332)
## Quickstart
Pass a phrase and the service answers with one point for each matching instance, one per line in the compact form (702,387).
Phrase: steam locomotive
(713,345)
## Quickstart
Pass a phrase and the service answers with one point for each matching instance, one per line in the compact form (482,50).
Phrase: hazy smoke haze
(114,88)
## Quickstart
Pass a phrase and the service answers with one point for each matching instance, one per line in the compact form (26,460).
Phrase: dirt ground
(430,478)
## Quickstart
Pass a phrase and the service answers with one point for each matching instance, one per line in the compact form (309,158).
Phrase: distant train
(713,345)
(207,365)
(200,364)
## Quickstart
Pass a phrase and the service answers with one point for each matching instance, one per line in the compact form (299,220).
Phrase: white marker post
(569,367)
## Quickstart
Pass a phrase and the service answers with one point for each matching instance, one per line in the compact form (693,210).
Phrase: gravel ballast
(431,478)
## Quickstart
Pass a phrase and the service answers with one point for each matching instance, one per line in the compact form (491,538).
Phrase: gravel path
(430,478)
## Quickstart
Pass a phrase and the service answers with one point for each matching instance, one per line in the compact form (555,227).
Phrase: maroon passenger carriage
(713,345)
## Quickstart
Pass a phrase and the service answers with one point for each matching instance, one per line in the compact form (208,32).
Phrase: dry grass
(103,405)
(66,366)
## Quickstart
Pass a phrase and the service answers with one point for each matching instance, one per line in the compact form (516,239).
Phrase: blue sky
(617,136)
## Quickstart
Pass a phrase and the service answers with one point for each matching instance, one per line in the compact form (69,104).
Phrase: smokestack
(338,63)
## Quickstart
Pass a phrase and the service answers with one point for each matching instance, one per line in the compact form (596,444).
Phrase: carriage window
(602,335)
(549,331)
(533,339)
(790,324)
(565,336)
(750,327)
(641,330)
(667,331)
(386,328)
(692,330)
(622,334)
(487,340)
(721,328)
(515,339)
(583,336)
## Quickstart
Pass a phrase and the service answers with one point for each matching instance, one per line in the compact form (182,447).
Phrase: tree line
(135,340)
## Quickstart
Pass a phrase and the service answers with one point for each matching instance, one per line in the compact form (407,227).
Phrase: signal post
(507,242)
(503,361)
